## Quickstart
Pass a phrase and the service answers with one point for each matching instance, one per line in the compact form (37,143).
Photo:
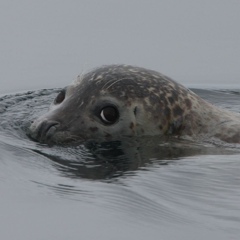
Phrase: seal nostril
(47,129)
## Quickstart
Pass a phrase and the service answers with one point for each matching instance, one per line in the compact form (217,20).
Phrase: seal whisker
(72,138)
(112,83)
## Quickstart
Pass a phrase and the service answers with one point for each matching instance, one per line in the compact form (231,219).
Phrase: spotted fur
(149,103)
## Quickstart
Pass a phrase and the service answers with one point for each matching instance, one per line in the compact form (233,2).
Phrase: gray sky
(47,43)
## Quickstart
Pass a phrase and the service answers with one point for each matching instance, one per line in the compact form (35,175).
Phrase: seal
(117,101)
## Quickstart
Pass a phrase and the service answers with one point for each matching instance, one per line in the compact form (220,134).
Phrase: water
(144,189)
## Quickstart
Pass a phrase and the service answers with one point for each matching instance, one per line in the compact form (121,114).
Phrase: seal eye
(109,115)
(60,97)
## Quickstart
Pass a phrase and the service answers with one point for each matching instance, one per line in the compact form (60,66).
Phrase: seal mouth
(50,132)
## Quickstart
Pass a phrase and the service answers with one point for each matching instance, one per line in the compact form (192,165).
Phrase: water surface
(144,189)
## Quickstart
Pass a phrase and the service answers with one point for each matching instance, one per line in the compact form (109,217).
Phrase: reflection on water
(150,181)
(107,161)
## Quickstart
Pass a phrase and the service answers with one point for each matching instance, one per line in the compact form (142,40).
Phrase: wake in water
(149,181)
(106,160)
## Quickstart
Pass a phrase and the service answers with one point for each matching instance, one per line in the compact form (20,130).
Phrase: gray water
(45,44)
(144,189)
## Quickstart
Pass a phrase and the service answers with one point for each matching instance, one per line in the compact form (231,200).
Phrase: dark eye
(60,97)
(109,115)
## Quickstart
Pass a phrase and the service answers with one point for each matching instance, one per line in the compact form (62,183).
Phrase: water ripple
(145,182)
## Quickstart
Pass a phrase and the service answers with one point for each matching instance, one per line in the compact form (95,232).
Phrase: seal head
(117,101)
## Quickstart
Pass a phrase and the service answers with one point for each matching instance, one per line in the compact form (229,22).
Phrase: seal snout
(45,130)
